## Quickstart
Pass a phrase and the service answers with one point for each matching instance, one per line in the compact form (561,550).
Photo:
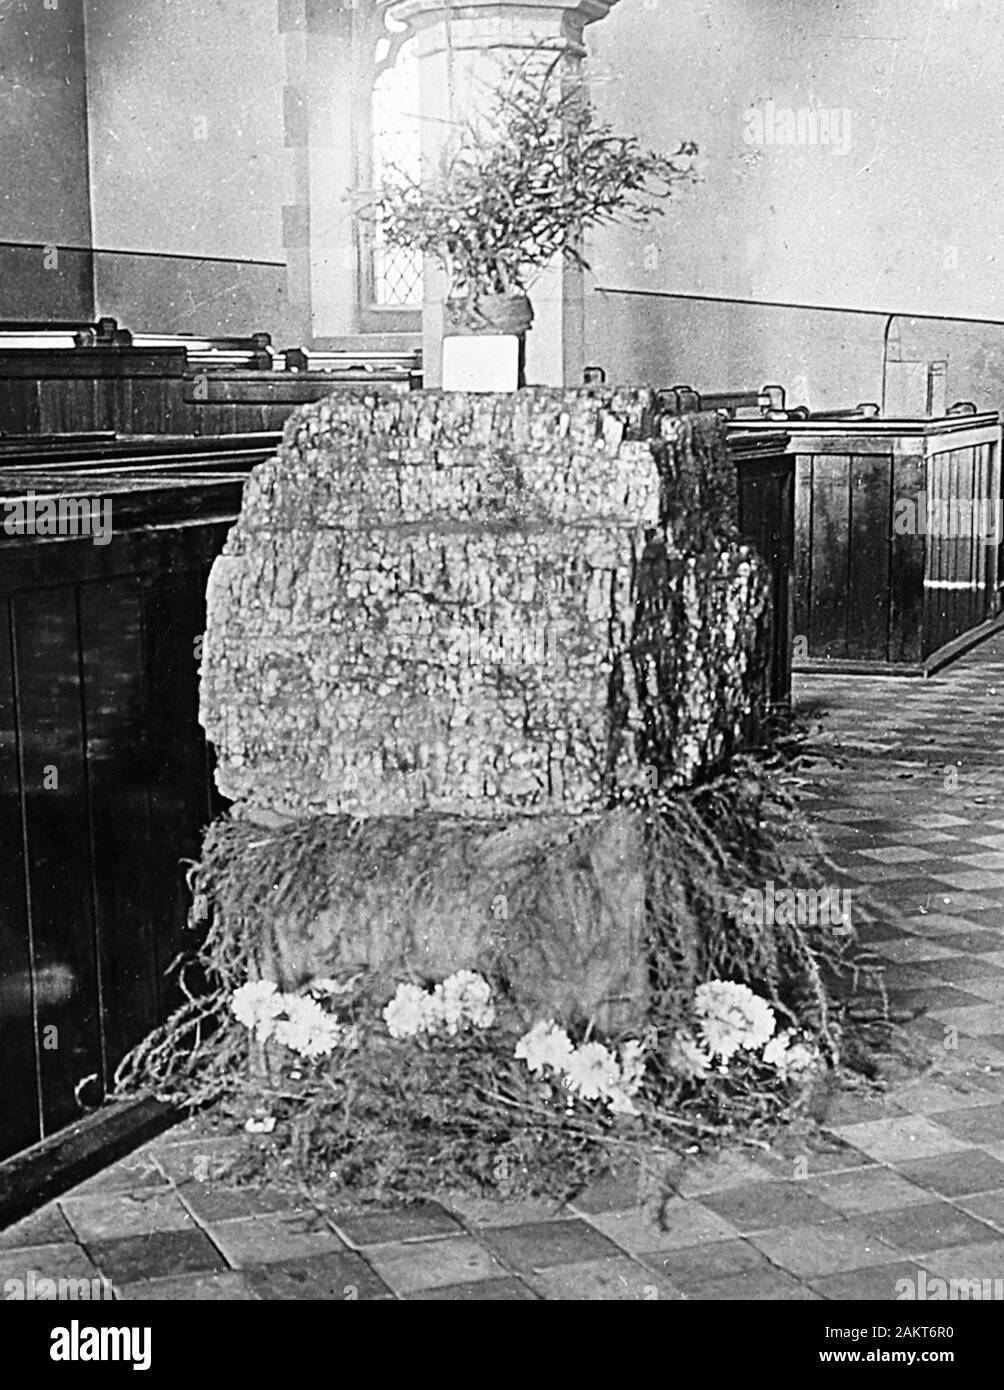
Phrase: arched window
(395,275)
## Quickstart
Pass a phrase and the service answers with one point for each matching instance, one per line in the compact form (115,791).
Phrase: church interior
(569,739)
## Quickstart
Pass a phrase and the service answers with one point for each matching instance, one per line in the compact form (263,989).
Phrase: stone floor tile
(542,1245)
(876,1284)
(977,942)
(766,1285)
(134,1259)
(909,948)
(615,1280)
(866,1190)
(810,1251)
(936,820)
(137,1172)
(430,1264)
(936,924)
(967,970)
(698,1266)
(716,1173)
(990,992)
(212,1201)
(125,1214)
(209,1159)
(484,1211)
(507,1290)
(972,880)
(418,1222)
(265,1239)
(853,1108)
(678,1223)
(203,1288)
(344,1278)
(918,1229)
(984,1260)
(62,1261)
(901,854)
(983,1124)
(984,859)
(804,1156)
(934,999)
(986,1206)
(762,1206)
(958,904)
(956,1175)
(899,1137)
(931,1095)
(614,1191)
(45,1227)
(974,1020)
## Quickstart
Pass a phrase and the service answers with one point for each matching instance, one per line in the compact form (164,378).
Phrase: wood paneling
(869,594)
(869,558)
(829,557)
(766,478)
(103,779)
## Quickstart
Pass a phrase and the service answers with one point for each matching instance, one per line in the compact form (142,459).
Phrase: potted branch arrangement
(518,185)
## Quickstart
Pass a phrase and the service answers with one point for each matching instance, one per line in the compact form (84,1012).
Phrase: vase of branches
(516,186)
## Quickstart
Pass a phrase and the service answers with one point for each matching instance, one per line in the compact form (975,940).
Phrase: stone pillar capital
(512,23)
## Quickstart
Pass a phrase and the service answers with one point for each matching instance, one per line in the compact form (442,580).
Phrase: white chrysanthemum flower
(775,1054)
(801,1058)
(545,1045)
(306,1028)
(731,1017)
(257,1005)
(408,1013)
(592,1071)
(466,998)
(788,1055)
(687,1058)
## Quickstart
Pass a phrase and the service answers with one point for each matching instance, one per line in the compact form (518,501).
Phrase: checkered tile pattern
(905,783)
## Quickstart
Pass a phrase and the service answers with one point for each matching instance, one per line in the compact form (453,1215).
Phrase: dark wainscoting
(105,780)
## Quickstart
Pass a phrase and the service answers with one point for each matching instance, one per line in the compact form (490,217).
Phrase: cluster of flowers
(730,1019)
(590,1071)
(461,1001)
(291,1019)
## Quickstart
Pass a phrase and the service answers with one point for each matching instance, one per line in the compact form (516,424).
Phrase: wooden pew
(765,473)
(99,660)
(360,367)
(96,388)
(872,595)
(76,456)
(89,378)
(678,400)
(253,354)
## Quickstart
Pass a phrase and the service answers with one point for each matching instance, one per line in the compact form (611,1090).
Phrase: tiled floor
(907,788)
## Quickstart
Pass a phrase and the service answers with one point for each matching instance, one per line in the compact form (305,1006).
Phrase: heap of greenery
(344,1092)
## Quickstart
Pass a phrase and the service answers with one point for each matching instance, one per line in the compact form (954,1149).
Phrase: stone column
(458,49)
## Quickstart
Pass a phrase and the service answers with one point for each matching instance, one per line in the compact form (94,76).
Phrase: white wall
(906,221)
(189,159)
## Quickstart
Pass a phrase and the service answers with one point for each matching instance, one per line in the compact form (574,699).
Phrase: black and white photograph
(502,668)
